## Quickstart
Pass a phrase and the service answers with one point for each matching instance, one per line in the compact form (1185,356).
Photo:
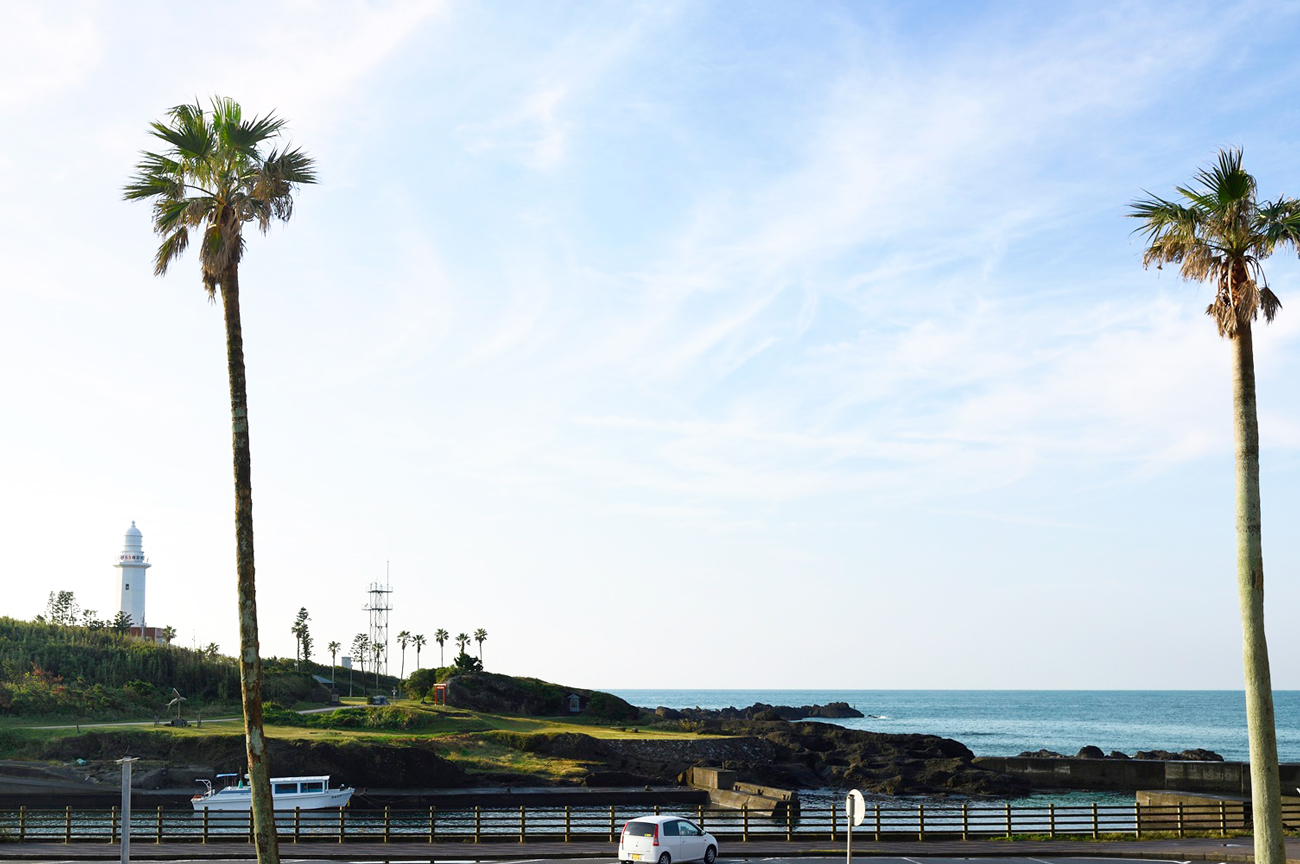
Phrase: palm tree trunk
(250,659)
(1265,789)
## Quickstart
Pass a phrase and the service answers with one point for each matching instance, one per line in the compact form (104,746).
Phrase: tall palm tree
(1220,233)
(333,648)
(419,642)
(480,636)
(403,639)
(441,636)
(462,639)
(218,172)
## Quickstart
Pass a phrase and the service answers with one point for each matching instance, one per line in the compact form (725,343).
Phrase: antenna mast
(379,606)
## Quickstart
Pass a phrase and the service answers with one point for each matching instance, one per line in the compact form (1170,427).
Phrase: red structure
(439,694)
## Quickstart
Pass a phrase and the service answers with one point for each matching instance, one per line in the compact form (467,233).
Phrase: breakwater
(1130,775)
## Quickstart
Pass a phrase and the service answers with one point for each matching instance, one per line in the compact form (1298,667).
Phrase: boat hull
(232,801)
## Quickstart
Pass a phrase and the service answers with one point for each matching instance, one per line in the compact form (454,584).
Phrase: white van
(666,840)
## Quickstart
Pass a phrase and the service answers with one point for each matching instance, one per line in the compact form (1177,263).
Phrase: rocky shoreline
(1196,754)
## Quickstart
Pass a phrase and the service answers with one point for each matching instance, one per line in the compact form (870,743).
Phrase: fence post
(387,823)
(744,823)
(965,822)
(523,830)
(112,826)
(877,823)
(789,821)
(22,823)
(568,827)
(1137,820)
(834,808)
(430,824)
(250,824)
(1096,829)
(611,823)
(1008,819)
(478,823)
(1180,818)
(340,824)
(1051,819)
(1223,819)
(205,824)
(297,813)
(920,823)
(157,831)
(67,824)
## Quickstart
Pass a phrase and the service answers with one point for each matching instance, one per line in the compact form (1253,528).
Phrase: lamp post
(125,762)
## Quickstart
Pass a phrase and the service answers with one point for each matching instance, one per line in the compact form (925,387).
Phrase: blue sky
(677,345)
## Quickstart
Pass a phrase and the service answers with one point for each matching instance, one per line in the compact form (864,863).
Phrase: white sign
(855,807)
(346,662)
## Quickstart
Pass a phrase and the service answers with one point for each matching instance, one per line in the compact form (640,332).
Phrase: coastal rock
(1041,754)
(763,712)
(1196,755)
(1117,754)
(665,713)
(1090,752)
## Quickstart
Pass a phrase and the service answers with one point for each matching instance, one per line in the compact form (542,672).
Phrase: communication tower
(379,606)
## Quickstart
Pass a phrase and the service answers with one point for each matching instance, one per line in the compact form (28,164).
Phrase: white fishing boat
(287,793)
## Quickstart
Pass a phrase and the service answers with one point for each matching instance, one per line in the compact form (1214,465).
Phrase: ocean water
(1007,722)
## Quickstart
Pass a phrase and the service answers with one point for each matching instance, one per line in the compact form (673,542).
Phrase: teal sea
(1007,722)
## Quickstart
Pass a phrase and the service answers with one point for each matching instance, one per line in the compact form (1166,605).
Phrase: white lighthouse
(133,564)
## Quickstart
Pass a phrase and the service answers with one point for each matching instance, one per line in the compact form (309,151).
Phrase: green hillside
(61,670)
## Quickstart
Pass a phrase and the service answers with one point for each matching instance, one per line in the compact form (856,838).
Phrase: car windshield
(640,829)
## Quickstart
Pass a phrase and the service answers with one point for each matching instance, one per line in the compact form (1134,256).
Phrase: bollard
(877,823)
(387,823)
(1096,829)
(22,823)
(340,825)
(205,824)
(1223,819)
(157,831)
(478,823)
(920,823)
(1008,819)
(567,813)
(965,822)
(297,824)
(112,827)
(834,810)
(67,824)
(611,823)
(1137,820)
(523,829)
(789,821)
(1180,818)
(431,829)
(1051,820)
(744,823)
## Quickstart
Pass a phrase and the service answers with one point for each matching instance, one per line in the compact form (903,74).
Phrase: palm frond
(170,249)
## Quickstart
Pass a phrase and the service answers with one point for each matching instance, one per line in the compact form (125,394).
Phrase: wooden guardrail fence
(562,824)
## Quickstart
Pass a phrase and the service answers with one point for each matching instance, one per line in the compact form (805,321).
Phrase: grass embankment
(480,743)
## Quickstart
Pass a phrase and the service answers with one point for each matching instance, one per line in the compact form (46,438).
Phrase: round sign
(855,807)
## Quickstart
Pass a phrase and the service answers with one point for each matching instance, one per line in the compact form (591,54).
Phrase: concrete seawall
(1129,775)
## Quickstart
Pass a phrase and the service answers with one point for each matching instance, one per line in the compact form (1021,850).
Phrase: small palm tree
(480,636)
(462,640)
(1220,233)
(441,636)
(214,177)
(419,642)
(168,632)
(403,639)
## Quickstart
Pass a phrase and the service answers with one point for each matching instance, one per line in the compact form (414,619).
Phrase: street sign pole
(855,808)
(125,762)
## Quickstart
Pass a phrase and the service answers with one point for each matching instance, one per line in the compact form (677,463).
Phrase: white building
(133,564)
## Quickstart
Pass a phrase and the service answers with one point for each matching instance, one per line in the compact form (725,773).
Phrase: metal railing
(923,821)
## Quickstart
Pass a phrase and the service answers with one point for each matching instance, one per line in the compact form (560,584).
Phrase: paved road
(1232,851)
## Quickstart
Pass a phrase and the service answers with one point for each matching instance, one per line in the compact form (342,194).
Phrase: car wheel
(710,854)
(665,859)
